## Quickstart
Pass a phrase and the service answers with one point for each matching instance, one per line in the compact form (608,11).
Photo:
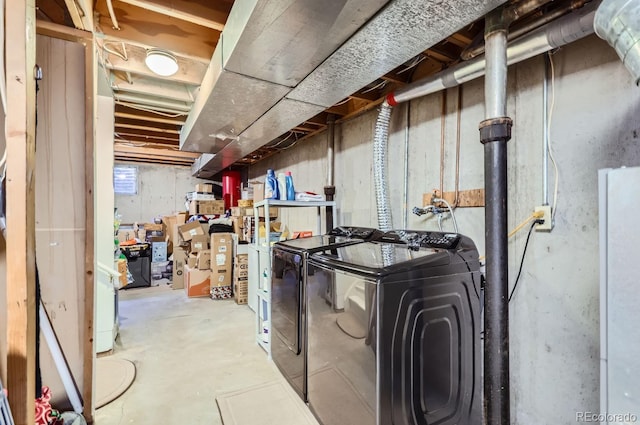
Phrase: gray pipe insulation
(565,30)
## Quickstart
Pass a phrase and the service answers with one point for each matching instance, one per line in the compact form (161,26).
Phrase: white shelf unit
(262,266)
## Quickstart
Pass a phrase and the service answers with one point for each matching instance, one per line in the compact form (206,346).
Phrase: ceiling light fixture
(161,62)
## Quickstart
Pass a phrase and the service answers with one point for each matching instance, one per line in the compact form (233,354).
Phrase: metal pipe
(112,14)
(560,32)
(443,121)
(545,132)
(456,199)
(477,49)
(493,134)
(405,192)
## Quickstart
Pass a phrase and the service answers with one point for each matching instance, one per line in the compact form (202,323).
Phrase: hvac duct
(398,32)
(267,47)
(618,22)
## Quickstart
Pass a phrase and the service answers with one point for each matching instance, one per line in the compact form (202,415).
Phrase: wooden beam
(143,27)
(212,14)
(88,336)
(53,30)
(147,116)
(20,56)
(148,130)
(138,138)
(142,122)
(52,10)
(151,101)
(122,149)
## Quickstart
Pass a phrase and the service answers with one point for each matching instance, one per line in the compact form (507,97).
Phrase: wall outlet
(548,223)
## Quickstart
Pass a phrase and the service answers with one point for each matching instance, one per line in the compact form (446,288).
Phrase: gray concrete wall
(161,191)
(554,314)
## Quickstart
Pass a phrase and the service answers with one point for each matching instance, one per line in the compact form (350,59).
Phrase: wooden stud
(89,257)
(60,31)
(20,134)
(466,198)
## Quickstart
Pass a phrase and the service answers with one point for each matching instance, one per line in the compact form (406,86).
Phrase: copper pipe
(458,119)
(443,122)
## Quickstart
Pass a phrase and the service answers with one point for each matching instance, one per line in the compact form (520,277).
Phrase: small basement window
(125,180)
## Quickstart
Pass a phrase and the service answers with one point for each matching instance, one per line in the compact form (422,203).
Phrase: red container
(231,182)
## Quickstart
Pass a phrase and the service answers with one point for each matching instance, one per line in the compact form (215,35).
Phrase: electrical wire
(524,252)
(122,55)
(453,215)
(548,130)
(148,109)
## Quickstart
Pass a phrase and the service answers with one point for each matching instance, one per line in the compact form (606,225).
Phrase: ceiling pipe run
(565,30)
(330,188)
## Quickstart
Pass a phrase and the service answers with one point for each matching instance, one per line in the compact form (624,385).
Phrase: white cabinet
(260,262)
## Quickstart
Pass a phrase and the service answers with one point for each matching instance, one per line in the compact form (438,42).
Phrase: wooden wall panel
(61,201)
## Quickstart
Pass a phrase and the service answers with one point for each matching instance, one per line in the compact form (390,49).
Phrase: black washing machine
(288,310)
(402,343)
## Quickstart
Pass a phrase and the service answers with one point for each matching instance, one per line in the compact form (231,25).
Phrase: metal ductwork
(618,22)
(282,62)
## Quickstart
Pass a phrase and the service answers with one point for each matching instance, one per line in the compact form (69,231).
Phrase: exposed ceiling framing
(151,110)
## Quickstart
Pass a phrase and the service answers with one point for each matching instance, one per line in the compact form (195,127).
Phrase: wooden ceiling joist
(210,14)
(147,123)
(147,117)
(146,28)
(142,129)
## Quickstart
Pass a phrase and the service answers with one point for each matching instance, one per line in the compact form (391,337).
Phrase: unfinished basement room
(319,212)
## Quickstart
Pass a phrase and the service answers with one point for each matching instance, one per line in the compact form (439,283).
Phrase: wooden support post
(20,133)
(89,263)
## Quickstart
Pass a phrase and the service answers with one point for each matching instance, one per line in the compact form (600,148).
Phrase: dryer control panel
(416,239)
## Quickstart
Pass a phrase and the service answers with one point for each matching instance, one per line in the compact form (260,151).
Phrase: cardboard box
(221,276)
(199,243)
(121,265)
(241,211)
(206,207)
(258,191)
(179,259)
(237,226)
(201,196)
(241,266)
(203,260)
(221,250)
(197,283)
(204,187)
(191,260)
(191,229)
(241,291)
(158,251)
(152,227)
(221,292)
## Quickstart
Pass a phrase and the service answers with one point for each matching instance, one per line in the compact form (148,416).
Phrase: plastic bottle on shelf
(271,186)
(282,186)
(291,192)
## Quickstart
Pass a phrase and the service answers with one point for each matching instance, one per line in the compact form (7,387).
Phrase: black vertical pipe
(496,306)
(330,188)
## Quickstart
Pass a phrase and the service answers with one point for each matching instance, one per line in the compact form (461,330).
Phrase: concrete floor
(186,351)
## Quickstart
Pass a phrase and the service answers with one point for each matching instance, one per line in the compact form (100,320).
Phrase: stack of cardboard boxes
(203,201)
(221,265)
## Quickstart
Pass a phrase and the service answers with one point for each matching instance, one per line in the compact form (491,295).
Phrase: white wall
(161,191)
(554,319)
